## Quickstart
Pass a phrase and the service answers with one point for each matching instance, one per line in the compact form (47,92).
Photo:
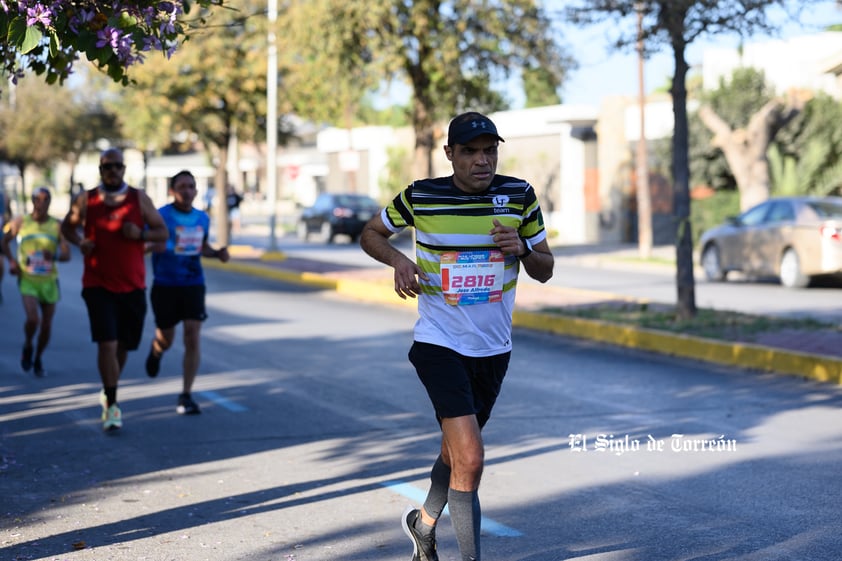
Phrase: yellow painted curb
(746,355)
(276,256)
(379,293)
(311,279)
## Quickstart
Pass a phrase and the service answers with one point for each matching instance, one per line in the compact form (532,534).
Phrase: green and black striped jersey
(468,298)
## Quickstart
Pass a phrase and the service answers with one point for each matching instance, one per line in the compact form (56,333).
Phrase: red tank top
(116,263)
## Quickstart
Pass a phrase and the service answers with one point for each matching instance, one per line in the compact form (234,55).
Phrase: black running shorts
(173,304)
(116,316)
(459,385)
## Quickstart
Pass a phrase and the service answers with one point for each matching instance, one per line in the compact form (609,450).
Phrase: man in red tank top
(111,225)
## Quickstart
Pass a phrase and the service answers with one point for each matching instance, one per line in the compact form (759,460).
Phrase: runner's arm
(221,253)
(9,232)
(156,229)
(63,248)
(539,263)
(74,221)
(374,240)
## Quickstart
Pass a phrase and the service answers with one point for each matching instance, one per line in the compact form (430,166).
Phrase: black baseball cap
(467,126)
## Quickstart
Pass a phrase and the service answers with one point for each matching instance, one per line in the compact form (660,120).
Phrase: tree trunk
(745,148)
(644,203)
(23,198)
(425,138)
(423,166)
(686,305)
(220,184)
(644,197)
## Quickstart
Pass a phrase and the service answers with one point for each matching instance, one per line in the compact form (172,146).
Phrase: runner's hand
(406,278)
(507,239)
(86,246)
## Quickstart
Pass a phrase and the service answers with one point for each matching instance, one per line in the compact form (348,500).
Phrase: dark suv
(336,213)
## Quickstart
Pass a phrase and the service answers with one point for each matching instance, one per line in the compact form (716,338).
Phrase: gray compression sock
(439,484)
(466,516)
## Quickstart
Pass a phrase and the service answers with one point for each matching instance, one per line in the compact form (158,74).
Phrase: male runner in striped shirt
(474,230)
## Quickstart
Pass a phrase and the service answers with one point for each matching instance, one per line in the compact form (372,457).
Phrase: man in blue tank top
(178,287)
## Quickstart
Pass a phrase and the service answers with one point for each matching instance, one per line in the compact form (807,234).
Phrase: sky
(603,72)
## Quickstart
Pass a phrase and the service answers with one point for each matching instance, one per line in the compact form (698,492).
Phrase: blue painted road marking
(223,402)
(417,496)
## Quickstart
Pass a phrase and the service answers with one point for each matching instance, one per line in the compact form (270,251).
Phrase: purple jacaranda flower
(169,48)
(151,43)
(167,28)
(81,18)
(108,36)
(124,50)
(39,14)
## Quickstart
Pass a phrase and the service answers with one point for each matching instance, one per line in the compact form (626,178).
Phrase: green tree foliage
(736,99)
(392,116)
(448,52)
(540,87)
(33,136)
(806,157)
(713,211)
(47,37)
(676,24)
(328,58)
(397,174)
(214,87)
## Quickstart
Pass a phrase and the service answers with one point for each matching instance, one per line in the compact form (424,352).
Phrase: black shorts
(172,304)
(459,385)
(116,316)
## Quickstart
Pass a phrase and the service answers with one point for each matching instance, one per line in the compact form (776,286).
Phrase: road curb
(744,355)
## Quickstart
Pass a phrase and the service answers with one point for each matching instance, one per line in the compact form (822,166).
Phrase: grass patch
(712,324)
(651,260)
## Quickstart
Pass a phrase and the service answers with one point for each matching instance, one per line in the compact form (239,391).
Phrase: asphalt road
(315,435)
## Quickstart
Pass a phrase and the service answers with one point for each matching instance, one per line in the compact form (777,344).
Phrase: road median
(375,286)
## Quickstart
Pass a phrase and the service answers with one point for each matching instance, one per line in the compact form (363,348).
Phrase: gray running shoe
(423,546)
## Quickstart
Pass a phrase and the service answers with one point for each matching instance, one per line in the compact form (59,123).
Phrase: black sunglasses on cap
(112,166)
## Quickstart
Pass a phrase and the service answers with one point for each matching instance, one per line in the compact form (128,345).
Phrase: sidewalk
(813,354)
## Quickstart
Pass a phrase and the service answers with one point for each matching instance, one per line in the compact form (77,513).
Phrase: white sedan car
(792,238)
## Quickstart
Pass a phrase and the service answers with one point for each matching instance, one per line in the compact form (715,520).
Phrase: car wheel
(326,232)
(712,264)
(301,231)
(791,275)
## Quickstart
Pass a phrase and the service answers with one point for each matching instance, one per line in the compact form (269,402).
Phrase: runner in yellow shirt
(39,245)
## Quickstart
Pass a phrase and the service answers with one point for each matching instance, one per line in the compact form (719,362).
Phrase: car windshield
(826,209)
(355,201)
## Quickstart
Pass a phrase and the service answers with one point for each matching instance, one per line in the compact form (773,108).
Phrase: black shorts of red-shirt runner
(459,385)
(116,316)
(173,304)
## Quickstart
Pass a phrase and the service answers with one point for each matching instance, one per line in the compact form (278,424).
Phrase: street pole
(644,197)
(272,125)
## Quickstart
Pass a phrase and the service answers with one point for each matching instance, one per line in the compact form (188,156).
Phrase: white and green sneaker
(112,417)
